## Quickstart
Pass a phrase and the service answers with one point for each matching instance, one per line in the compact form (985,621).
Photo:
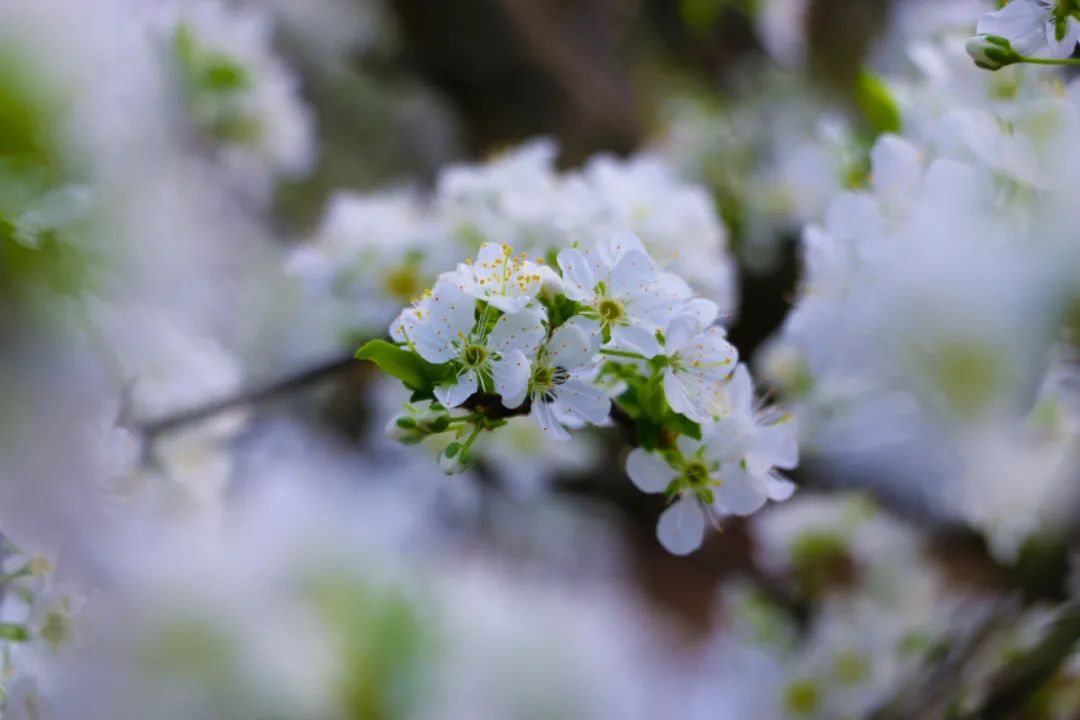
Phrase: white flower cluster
(297,608)
(375,252)
(240,99)
(505,335)
(934,329)
(881,608)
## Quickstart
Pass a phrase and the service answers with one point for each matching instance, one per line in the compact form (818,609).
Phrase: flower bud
(452,459)
(403,429)
(992,52)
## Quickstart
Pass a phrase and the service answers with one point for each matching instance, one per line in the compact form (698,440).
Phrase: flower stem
(1049,61)
(472,438)
(623,354)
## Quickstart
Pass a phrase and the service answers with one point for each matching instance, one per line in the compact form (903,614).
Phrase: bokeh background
(206,206)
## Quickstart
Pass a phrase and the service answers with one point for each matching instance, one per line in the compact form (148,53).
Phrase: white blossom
(496,359)
(559,387)
(699,362)
(622,289)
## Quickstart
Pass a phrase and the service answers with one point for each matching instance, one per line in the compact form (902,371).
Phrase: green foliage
(876,104)
(419,375)
(215,84)
(34,170)
(13,632)
(384,641)
(655,422)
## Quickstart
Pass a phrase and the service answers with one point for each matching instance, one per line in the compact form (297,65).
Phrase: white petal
(614,246)
(703,311)
(633,273)
(569,348)
(453,394)
(433,343)
(449,314)
(776,445)
(542,413)
(511,375)
(896,166)
(452,308)
(509,305)
(1063,48)
(648,471)
(635,339)
(740,493)
(678,334)
(682,527)
(523,331)
(578,279)
(778,488)
(682,401)
(1023,22)
(581,400)
(590,327)
(740,391)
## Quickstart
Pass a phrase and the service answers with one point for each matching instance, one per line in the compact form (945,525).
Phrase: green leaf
(223,74)
(405,365)
(684,426)
(13,632)
(877,104)
(648,434)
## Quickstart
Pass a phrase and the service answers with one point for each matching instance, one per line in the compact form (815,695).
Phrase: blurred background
(206,206)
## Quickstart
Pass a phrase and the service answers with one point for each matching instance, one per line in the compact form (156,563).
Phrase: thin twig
(1025,675)
(251,396)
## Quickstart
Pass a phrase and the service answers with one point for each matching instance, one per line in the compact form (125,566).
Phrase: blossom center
(402,283)
(474,356)
(696,474)
(610,310)
(543,377)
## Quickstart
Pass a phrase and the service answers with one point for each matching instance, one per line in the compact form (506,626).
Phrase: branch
(931,693)
(251,396)
(1024,676)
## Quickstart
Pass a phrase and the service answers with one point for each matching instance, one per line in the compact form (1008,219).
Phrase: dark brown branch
(252,396)
(1025,675)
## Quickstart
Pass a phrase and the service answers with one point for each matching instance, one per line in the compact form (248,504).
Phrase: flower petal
(682,526)
(522,331)
(740,391)
(1023,22)
(679,333)
(582,400)
(632,274)
(776,445)
(740,493)
(686,399)
(648,471)
(636,339)
(453,394)
(569,347)
(578,279)
(542,413)
(778,488)
(511,376)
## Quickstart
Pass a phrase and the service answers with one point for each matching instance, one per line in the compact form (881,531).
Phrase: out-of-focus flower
(1038,28)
